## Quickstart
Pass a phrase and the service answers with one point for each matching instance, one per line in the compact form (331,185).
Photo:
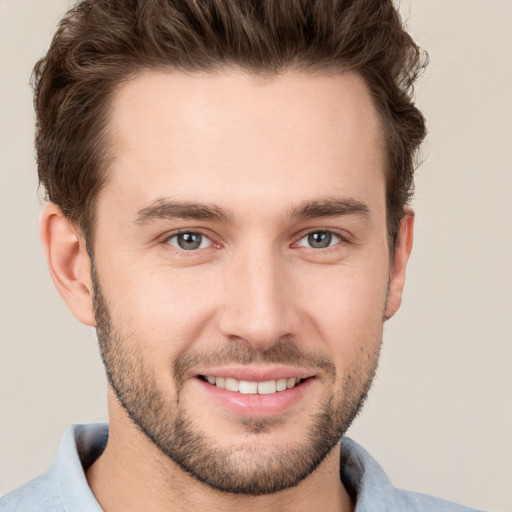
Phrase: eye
(319,240)
(189,241)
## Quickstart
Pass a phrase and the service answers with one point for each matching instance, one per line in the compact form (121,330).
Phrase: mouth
(245,387)
(256,391)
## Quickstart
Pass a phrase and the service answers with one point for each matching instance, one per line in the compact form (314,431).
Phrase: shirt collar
(366,481)
(80,446)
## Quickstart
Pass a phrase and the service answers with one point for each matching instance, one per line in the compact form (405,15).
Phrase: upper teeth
(253,388)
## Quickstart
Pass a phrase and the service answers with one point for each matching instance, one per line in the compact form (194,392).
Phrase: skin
(258,150)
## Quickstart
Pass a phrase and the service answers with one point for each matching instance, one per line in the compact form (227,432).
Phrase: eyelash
(168,238)
(341,239)
(330,232)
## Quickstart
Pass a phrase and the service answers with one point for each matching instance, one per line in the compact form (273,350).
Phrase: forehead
(290,136)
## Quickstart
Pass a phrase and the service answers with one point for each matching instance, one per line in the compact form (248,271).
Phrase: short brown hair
(101,43)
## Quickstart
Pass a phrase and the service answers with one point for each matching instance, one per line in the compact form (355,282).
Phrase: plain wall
(439,418)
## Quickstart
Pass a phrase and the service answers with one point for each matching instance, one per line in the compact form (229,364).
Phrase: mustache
(286,352)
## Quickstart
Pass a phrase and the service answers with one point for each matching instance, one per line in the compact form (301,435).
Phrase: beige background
(439,418)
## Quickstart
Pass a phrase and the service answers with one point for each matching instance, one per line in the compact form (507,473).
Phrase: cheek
(347,311)
(162,308)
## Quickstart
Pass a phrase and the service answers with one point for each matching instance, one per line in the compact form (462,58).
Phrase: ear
(68,262)
(399,264)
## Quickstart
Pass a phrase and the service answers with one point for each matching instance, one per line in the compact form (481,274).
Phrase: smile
(244,387)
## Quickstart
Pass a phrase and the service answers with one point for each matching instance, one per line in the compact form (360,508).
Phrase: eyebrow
(330,207)
(165,209)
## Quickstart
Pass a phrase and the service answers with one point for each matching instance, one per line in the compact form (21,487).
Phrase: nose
(258,305)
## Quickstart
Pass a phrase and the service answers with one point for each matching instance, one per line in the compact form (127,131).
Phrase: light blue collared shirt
(64,488)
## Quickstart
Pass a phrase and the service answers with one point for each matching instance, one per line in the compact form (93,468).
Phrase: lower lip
(256,406)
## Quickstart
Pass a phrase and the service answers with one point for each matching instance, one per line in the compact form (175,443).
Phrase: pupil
(320,240)
(189,241)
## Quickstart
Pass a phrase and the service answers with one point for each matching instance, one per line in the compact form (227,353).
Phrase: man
(228,185)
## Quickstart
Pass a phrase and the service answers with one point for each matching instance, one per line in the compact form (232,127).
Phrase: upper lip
(257,373)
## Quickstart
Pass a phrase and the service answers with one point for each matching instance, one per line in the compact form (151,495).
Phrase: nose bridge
(257,306)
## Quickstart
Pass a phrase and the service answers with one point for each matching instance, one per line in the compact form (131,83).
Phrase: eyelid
(168,236)
(342,235)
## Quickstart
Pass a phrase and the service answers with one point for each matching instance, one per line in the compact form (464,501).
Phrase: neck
(132,474)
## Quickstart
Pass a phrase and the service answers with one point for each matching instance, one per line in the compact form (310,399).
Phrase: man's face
(241,268)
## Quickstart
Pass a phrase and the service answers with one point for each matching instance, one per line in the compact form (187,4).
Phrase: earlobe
(399,264)
(68,263)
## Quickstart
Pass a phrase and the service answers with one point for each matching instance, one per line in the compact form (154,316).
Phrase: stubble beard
(244,468)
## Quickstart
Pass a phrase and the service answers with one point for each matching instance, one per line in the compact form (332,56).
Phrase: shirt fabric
(64,488)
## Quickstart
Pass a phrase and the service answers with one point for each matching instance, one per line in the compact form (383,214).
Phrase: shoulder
(40,494)
(418,502)
(372,489)
(64,486)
